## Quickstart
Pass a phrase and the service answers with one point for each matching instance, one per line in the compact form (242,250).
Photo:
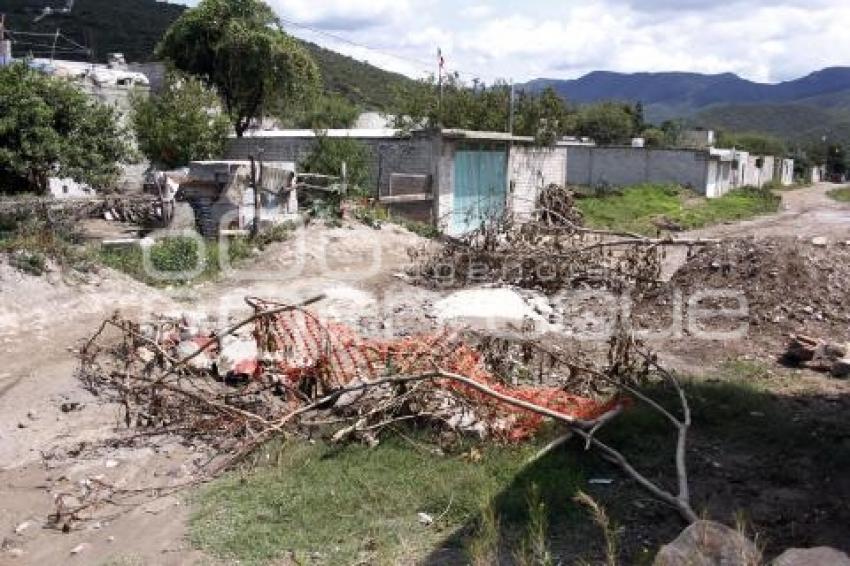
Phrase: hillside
(134,27)
(802,110)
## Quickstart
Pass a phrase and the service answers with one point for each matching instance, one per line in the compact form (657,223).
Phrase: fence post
(255,228)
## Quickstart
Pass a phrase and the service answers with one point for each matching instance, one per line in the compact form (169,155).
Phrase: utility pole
(53,49)
(511,110)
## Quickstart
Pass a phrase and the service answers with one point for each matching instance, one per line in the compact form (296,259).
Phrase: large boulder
(706,543)
(821,556)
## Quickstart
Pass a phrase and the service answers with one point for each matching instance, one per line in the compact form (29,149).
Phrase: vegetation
(759,144)
(180,260)
(49,128)
(328,154)
(607,123)
(354,503)
(643,208)
(360,83)
(131,27)
(184,122)
(841,195)
(324,112)
(239,47)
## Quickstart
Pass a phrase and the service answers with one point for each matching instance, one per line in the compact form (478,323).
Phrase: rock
(820,241)
(706,543)
(425,519)
(19,530)
(15,552)
(80,548)
(840,368)
(821,556)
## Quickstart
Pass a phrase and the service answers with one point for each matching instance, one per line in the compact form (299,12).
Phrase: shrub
(328,155)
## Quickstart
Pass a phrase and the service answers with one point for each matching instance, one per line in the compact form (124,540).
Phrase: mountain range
(801,110)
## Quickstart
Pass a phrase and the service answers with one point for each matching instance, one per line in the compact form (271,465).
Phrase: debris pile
(551,252)
(805,351)
(283,369)
(787,283)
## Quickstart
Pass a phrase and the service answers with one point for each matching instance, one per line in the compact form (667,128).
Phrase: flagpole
(440,83)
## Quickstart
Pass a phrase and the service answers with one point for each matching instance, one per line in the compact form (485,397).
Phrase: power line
(428,65)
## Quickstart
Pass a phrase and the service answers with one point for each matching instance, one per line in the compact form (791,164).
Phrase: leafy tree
(672,132)
(544,116)
(654,137)
(606,122)
(324,112)
(760,144)
(183,123)
(240,48)
(50,128)
(328,154)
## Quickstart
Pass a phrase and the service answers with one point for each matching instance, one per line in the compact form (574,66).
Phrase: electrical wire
(427,65)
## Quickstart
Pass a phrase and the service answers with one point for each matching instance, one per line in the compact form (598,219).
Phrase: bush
(328,155)
(184,123)
(49,128)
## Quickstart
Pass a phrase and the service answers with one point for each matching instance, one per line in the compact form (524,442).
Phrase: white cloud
(766,40)
(344,14)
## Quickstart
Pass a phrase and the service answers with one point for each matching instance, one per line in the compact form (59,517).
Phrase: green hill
(134,27)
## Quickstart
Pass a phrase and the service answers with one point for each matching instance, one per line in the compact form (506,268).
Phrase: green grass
(635,208)
(841,195)
(355,503)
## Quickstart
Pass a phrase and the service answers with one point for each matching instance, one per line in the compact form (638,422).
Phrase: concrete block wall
(530,170)
(625,166)
(755,176)
(407,155)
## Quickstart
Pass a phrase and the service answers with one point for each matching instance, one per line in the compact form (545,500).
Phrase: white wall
(531,169)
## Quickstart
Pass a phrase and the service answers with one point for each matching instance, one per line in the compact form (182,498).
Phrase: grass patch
(638,208)
(181,259)
(841,195)
(353,503)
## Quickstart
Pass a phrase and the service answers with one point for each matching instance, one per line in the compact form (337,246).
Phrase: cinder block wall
(386,155)
(625,166)
(532,169)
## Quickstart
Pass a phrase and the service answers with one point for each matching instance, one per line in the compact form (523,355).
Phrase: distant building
(112,84)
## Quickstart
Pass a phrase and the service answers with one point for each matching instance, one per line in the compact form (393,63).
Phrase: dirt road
(805,213)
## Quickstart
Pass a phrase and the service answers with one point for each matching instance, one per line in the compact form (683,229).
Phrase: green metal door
(480,188)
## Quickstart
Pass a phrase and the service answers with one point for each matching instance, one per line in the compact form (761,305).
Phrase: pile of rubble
(550,252)
(789,284)
(284,370)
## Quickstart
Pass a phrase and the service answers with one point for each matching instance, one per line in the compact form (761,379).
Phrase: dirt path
(805,213)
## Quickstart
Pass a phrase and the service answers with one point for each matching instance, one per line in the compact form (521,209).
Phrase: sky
(761,40)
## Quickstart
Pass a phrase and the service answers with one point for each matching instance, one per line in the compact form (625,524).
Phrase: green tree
(240,48)
(654,137)
(672,132)
(50,128)
(185,122)
(606,122)
(760,144)
(546,116)
(328,111)
(328,154)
